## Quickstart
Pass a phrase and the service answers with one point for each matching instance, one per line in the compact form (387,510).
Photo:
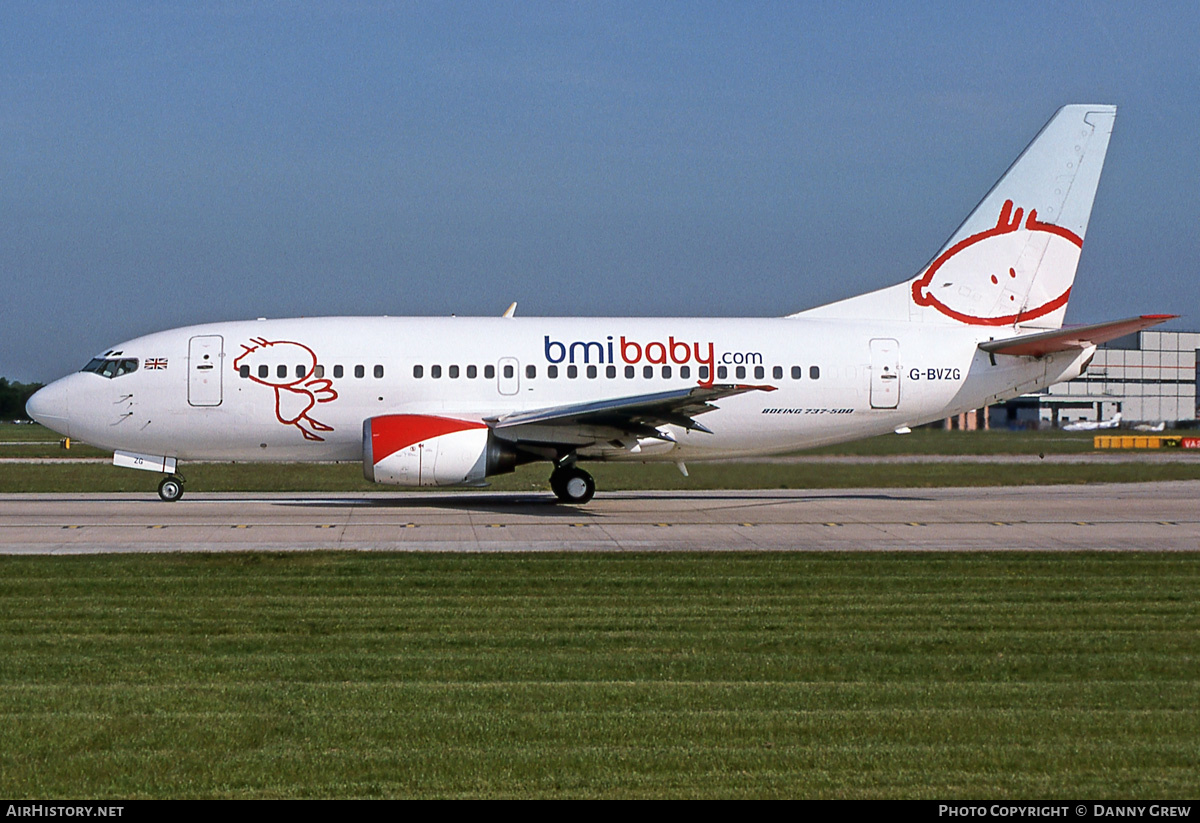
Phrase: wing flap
(637,416)
(1072,338)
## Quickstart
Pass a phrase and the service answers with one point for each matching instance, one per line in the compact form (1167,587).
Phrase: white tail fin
(1013,261)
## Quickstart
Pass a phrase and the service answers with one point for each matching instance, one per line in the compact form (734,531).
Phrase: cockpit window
(111,367)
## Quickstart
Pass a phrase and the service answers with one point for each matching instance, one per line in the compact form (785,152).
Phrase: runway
(1116,517)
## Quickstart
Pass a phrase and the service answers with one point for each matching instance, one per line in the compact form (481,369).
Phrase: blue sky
(171,163)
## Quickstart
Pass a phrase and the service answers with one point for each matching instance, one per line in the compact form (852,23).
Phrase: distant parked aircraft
(1088,425)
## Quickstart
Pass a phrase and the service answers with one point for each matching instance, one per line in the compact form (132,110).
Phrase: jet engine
(426,450)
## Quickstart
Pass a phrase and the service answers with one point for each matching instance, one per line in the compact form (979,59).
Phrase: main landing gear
(171,488)
(572,484)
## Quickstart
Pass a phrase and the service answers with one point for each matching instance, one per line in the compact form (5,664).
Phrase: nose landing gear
(572,484)
(171,488)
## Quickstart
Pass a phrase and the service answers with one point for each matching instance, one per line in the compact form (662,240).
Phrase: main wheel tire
(170,489)
(573,485)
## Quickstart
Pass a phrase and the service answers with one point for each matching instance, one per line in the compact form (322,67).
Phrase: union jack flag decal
(156,363)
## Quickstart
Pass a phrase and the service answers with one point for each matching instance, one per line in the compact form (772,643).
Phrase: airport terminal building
(1148,377)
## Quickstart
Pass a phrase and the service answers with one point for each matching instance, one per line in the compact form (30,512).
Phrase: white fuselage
(288,390)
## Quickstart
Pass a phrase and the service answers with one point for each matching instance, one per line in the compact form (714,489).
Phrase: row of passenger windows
(471,372)
(572,372)
(531,371)
(318,371)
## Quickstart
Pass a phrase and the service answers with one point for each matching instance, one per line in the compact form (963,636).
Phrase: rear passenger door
(885,373)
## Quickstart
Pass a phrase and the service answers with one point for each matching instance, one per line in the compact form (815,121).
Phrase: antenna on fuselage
(511,310)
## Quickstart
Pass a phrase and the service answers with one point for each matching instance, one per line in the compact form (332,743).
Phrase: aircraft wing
(623,417)
(1072,338)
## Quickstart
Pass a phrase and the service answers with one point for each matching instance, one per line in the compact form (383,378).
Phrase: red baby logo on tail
(296,392)
(1006,274)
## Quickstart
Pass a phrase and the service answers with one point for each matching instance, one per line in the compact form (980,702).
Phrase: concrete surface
(1124,517)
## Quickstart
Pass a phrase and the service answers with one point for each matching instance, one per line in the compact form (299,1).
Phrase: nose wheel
(572,485)
(171,488)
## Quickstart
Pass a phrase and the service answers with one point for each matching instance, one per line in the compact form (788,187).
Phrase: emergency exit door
(508,379)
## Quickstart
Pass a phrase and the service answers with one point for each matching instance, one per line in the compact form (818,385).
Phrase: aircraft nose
(48,406)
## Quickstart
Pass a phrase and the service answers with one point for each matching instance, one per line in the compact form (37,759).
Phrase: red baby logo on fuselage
(296,391)
(988,278)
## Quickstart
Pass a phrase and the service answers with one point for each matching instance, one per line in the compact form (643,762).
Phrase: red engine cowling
(424,450)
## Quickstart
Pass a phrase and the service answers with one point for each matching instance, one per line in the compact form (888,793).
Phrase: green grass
(676,675)
(14,432)
(937,441)
(35,440)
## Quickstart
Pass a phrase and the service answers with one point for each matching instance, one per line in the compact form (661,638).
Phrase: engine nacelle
(424,450)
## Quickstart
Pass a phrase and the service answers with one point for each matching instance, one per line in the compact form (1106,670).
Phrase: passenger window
(647,371)
(300,372)
(318,371)
(378,372)
(489,372)
(666,371)
(338,371)
(531,371)
(472,372)
(452,372)
(759,373)
(552,372)
(360,371)
(629,372)
(281,371)
(508,372)
(591,372)
(244,371)
(418,371)
(703,372)
(796,372)
(435,372)
(740,371)
(263,371)
(777,372)
(722,372)
(572,372)
(610,372)
(685,372)
(814,372)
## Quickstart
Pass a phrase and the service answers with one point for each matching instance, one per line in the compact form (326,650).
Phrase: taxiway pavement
(1123,517)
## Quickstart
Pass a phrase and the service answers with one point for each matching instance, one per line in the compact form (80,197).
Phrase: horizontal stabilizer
(1073,338)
